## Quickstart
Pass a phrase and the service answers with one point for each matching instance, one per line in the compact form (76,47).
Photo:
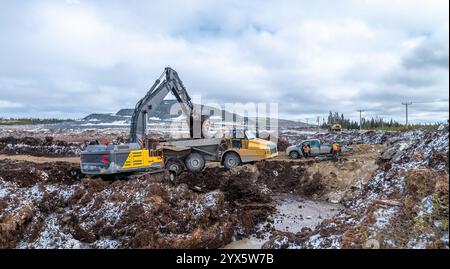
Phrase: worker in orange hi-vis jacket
(306,150)
(336,148)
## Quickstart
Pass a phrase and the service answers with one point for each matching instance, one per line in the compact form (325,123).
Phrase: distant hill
(105,117)
(123,116)
(126,112)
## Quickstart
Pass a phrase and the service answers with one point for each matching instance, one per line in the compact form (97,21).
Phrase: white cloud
(73,2)
(8,104)
(319,55)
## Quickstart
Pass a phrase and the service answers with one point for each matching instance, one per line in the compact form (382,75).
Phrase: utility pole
(318,123)
(360,118)
(406,104)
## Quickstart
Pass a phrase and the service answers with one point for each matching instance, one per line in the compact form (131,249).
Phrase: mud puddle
(296,212)
(293,212)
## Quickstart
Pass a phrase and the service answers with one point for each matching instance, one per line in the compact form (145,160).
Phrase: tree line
(367,124)
(31,121)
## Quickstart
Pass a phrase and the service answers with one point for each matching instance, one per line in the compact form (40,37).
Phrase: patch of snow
(444,238)
(106,244)
(315,241)
(34,193)
(44,175)
(284,240)
(211,200)
(426,207)
(384,215)
(418,243)
(52,237)
(115,123)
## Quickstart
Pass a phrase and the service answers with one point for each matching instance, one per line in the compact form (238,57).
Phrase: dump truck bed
(189,143)
(181,148)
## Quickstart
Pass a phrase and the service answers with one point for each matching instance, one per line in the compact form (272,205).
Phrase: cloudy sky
(68,58)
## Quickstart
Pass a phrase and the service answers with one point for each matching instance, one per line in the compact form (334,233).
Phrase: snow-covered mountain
(163,114)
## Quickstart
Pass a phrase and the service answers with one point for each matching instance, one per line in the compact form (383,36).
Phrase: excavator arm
(151,101)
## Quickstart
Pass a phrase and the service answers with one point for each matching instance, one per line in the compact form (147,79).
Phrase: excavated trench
(286,203)
(52,205)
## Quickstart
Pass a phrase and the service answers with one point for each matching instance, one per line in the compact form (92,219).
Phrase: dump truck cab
(242,146)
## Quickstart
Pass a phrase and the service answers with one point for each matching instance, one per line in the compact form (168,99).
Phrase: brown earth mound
(38,147)
(27,174)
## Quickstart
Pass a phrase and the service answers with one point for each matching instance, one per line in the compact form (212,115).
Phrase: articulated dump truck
(144,154)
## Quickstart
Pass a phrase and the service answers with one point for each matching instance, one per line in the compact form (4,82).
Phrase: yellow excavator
(143,154)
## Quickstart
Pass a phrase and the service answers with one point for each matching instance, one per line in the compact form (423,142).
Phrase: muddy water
(293,213)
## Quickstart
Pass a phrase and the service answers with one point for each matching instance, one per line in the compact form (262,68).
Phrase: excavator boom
(151,101)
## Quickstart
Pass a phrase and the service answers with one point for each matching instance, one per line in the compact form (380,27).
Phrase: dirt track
(35,159)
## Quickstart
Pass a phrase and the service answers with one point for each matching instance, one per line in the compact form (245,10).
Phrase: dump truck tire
(294,154)
(231,160)
(195,162)
(174,166)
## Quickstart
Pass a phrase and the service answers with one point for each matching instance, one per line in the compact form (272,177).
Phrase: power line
(406,104)
(431,101)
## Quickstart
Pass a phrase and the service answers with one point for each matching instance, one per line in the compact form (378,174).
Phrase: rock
(281,240)
(372,244)
(389,153)
(393,140)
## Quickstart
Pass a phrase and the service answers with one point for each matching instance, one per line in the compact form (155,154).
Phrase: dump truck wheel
(174,166)
(195,162)
(231,160)
(294,154)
